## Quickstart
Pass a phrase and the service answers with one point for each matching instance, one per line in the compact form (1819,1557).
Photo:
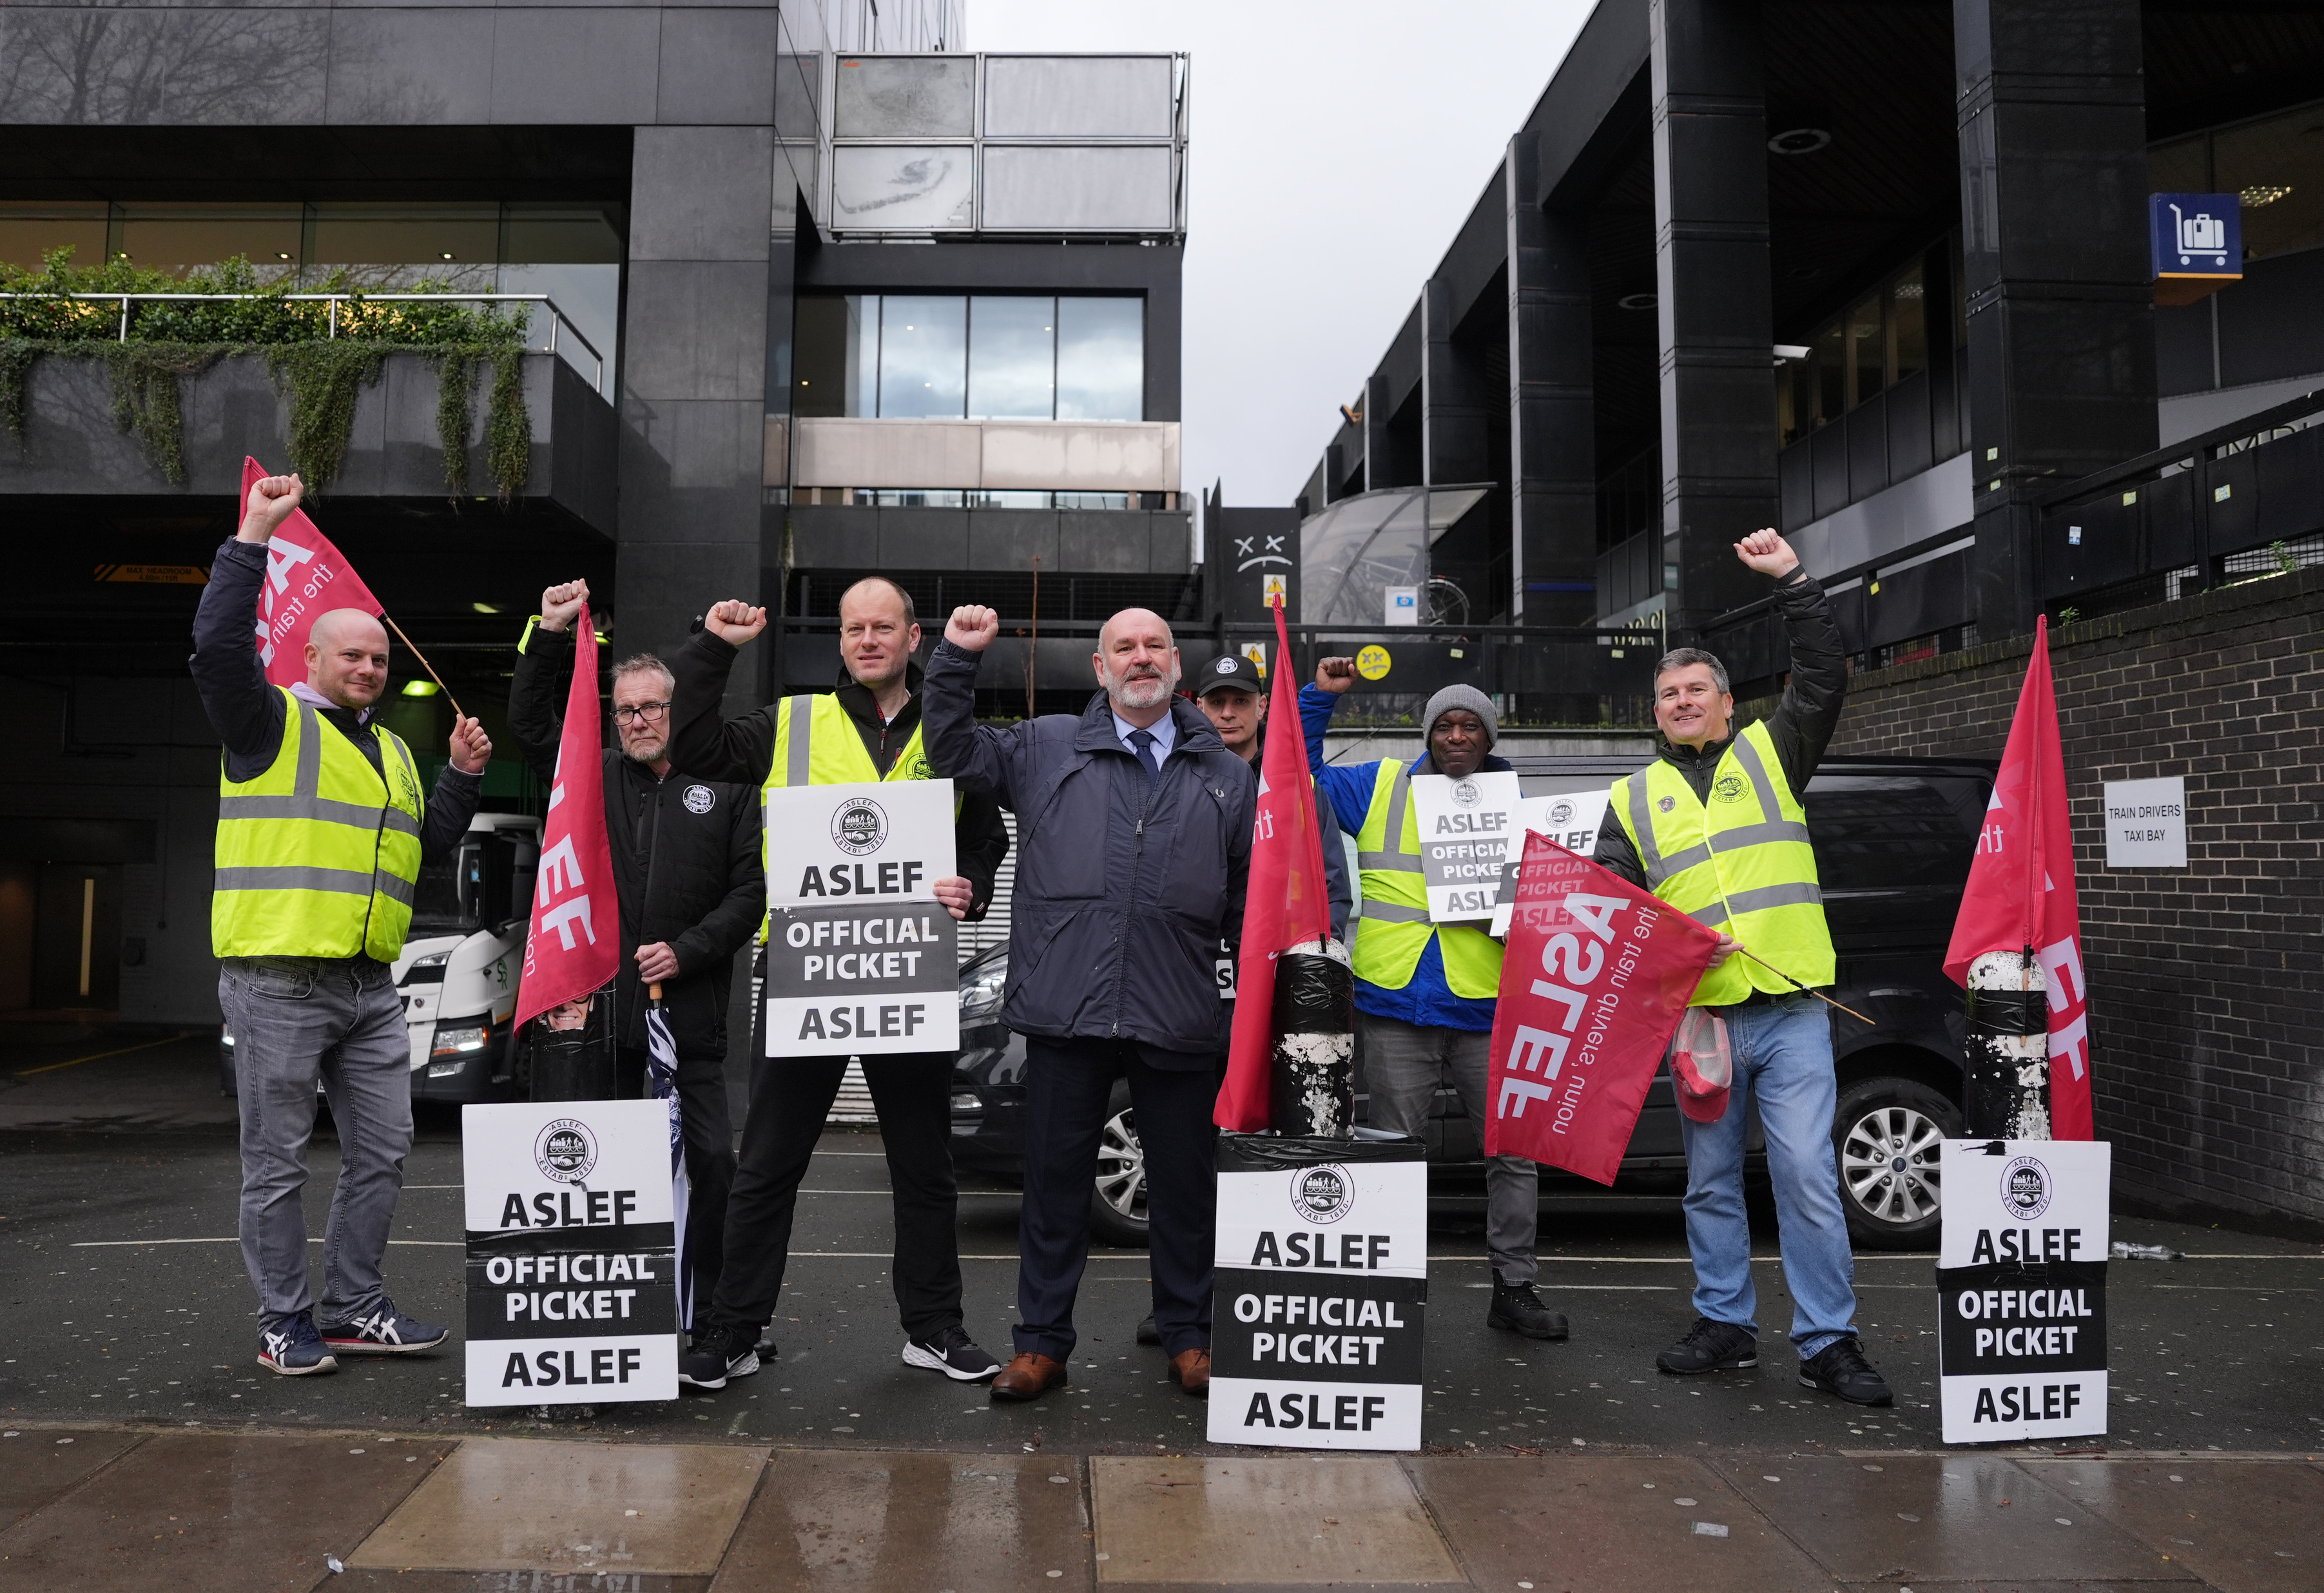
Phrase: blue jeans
(296,1019)
(1783,1059)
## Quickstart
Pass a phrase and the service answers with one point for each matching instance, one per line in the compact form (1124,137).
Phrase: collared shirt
(1165,731)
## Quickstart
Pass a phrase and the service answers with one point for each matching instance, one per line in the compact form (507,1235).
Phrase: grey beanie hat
(1463,697)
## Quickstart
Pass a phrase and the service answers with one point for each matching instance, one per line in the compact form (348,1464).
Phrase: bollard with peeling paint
(1312,1090)
(2008,1045)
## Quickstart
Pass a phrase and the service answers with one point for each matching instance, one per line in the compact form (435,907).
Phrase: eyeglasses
(646,713)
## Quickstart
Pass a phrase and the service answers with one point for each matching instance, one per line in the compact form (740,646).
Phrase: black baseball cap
(1229,670)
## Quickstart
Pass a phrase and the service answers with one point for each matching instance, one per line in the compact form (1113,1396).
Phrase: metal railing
(557,318)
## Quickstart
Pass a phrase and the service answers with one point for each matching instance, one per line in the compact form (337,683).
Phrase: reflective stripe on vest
(1392,927)
(817,743)
(1743,863)
(318,856)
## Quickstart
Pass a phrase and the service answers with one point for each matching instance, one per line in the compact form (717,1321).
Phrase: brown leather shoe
(1030,1375)
(1190,1369)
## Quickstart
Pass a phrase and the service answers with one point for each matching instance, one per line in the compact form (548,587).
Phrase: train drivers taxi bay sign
(2021,1289)
(572,1288)
(1464,827)
(861,958)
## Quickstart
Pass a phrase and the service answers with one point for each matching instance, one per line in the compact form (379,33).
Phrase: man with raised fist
(1134,831)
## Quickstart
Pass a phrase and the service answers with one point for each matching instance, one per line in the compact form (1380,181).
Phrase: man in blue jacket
(1133,848)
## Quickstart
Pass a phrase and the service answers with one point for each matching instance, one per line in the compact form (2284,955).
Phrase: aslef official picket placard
(861,958)
(572,1282)
(1321,1292)
(1464,827)
(1570,818)
(2021,1288)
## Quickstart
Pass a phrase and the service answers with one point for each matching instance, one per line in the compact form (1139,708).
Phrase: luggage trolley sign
(2021,1289)
(572,1285)
(861,958)
(1322,1288)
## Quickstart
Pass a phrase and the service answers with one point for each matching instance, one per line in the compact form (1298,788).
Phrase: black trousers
(1067,1083)
(790,1097)
(708,1129)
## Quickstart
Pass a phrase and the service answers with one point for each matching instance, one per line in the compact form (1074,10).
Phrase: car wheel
(1117,1203)
(1888,1134)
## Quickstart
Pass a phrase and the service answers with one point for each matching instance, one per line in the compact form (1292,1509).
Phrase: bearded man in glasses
(687,874)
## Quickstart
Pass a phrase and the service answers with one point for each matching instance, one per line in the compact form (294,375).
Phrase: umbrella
(661,1062)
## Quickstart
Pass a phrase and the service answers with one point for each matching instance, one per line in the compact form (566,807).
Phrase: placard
(861,959)
(2021,1288)
(2146,824)
(1570,818)
(572,1282)
(1465,827)
(1321,1289)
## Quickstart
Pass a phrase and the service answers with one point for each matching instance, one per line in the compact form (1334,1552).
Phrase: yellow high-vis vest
(1742,864)
(1392,927)
(317,855)
(816,743)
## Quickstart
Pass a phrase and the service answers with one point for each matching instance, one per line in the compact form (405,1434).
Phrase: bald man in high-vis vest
(321,835)
(1717,826)
(866,730)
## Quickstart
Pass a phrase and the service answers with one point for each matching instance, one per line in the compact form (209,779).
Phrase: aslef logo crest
(699,800)
(1322,1194)
(1466,794)
(565,1150)
(2025,1188)
(1561,812)
(860,827)
(1226,666)
(1730,788)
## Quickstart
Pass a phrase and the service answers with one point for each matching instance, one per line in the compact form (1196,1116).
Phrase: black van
(1893,838)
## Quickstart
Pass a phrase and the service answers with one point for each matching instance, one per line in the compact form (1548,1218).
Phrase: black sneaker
(1712,1346)
(1840,1368)
(1518,1308)
(950,1350)
(1147,1333)
(385,1332)
(295,1349)
(719,1352)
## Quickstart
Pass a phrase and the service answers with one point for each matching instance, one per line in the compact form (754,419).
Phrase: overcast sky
(1335,149)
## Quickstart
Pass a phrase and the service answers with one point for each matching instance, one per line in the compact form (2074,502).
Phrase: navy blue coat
(1124,887)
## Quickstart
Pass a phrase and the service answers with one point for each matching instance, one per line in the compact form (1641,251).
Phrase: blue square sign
(2195,234)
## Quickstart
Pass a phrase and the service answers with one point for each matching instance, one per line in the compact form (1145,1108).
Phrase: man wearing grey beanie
(1425,991)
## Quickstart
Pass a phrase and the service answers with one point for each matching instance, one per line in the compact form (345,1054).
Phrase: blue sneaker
(295,1349)
(385,1332)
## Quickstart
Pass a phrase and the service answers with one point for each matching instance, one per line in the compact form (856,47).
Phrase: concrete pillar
(1457,405)
(1553,433)
(1379,449)
(2050,95)
(1711,267)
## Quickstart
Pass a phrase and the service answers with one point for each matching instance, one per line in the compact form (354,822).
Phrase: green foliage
(2287,562)
(2069,614)
(508,425)
(145,395)
(322,380)
(455,373)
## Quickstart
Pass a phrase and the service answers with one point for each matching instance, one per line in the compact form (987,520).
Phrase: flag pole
(424,663)
(1811,990)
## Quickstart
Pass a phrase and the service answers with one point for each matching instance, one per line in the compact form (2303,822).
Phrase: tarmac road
(126,1300)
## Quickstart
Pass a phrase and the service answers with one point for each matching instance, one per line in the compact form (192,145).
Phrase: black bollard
(1312,1087)
(2008,1048)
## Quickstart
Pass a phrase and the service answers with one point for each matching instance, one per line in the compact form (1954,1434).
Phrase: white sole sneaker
(914,1356)
(324,1365)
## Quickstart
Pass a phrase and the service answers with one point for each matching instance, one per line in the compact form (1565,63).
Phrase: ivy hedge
(319,373)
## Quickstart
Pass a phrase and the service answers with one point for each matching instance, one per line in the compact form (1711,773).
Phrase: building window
(1878,342)
(986,357)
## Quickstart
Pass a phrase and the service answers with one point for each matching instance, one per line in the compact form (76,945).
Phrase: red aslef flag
(306,578)
(2020,896)
(1286,904)
(1596,976)
(575,943)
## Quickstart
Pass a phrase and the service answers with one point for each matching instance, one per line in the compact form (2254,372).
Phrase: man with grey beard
(1133,846)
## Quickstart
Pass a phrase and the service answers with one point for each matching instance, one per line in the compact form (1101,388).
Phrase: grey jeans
(1402,1064)
(295,1019)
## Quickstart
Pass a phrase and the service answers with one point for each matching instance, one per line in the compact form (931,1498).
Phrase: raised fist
(1766,552)
(560,605)
(735,621)
(973,628)
(272,500)
(1335,675)
(472,749)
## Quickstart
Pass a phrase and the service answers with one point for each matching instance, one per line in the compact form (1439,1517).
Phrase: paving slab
(1936,1518)
(1272,1521)
(2243,1528)
(511,1581)
(37,1467)
(833,1521)
(539,1505)
(1611,1524)
(236,1513)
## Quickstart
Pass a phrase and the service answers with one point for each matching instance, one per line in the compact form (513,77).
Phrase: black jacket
(1125,886)
(1801,724)
(686,861)
(744,748)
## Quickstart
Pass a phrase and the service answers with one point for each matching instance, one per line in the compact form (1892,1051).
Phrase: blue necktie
(1141,742)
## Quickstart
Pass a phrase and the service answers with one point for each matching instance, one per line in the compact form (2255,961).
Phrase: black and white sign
(1465,826)
(572,1283)
(1570,818)
(1321,1288)
(861,958)
(2146,824)
(2021,1288)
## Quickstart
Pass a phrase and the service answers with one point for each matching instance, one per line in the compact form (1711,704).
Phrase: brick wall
(2207,982)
